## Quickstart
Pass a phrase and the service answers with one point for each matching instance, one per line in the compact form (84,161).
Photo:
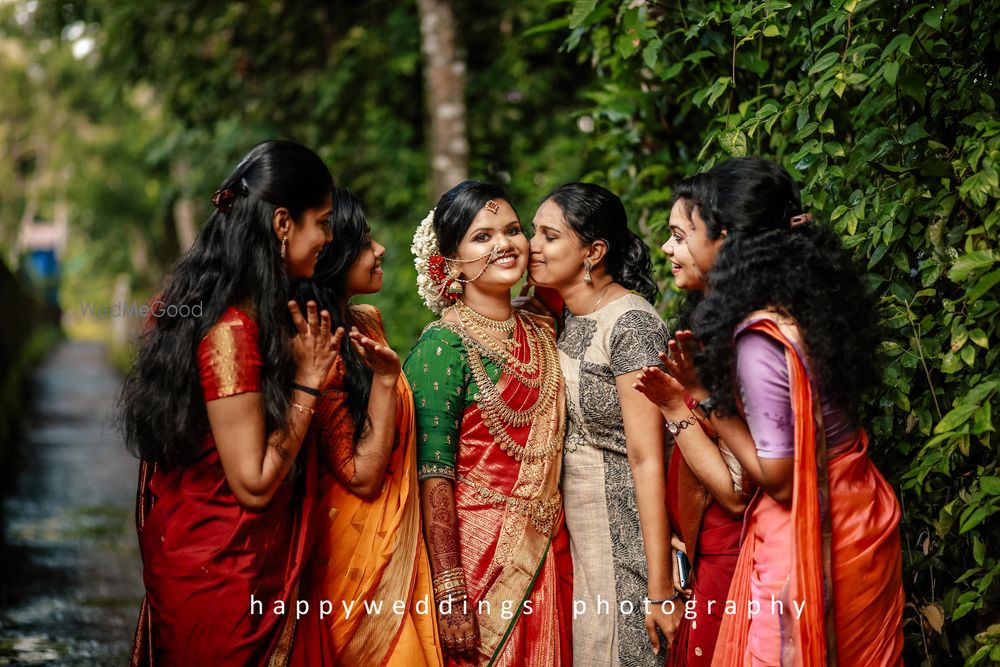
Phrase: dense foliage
(885,112)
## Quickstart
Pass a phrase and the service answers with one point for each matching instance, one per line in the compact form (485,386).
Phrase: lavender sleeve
(766,394)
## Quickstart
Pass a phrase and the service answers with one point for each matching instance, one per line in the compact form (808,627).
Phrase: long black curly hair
(595,213)
(763,261)
(235,261)
(352,234)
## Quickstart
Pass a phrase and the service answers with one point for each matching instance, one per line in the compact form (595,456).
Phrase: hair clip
(800,219)
(223,200)
(492,206)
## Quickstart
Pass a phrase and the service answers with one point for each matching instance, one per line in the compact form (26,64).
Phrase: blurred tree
(444,73)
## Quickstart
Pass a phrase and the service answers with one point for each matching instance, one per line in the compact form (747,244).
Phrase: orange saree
(828,569)
(369,566)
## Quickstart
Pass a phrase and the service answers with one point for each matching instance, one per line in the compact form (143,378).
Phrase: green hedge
(885,112)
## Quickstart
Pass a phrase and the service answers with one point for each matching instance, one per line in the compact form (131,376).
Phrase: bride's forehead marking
(492,206)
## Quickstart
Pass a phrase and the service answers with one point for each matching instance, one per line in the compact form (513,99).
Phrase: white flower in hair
(425,245)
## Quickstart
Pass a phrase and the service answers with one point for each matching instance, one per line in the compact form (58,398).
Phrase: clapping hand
(383,361)
(680,361)
(314,347)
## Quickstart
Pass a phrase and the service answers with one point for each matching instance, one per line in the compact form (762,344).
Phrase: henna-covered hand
(456,622)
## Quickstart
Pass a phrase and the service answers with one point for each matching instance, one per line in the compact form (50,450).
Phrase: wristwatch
(702,409)
(676,427)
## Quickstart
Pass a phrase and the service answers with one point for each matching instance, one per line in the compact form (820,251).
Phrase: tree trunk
(184,209)
(444,78)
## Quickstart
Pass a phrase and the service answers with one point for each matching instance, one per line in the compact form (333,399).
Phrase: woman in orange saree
(490,424)
(786,338)
(218,407)
(369,568)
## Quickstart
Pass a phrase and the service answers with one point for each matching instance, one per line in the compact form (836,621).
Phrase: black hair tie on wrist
(312,391)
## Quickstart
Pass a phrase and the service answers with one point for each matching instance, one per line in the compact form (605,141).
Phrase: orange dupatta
(845,546)
(372,551)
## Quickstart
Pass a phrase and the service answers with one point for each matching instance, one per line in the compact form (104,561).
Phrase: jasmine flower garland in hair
(424,249)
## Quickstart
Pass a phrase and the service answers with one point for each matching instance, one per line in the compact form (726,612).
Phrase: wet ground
(70,577)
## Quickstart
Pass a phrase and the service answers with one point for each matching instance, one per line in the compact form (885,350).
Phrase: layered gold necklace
(541,371)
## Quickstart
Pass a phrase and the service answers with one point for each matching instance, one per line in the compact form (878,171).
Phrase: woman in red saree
(786,338)
(369,547)
(490,423)
(217,408)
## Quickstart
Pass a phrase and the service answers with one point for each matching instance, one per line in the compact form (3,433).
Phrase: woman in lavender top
(786,309)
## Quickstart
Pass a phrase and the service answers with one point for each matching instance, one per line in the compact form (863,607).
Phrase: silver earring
(587,278)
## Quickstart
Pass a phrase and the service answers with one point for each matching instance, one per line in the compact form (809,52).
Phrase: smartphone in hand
(683,570)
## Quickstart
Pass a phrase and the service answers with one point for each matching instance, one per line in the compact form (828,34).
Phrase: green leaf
(549,26)
(581,10)
(824,63)
(650,53)
(915,132)
(990,485)
(978,551)
(955,417)
(973,261)
(978,336)
(771,31)
(984,285)
(976,517)
(672,71)
(962,610)
(933,16)
(968,355)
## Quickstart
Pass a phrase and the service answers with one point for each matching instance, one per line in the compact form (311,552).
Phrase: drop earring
(284,242)
(587,278)
(455,287)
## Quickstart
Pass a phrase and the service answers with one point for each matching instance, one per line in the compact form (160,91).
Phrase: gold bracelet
(303,408)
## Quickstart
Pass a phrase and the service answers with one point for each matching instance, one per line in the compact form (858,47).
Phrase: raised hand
(680,361)
(383,361)
(314,347)
(659,388)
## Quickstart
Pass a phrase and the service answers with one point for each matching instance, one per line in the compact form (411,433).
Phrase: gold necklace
(504,326)
(503,356)
(497,414)
(603,294)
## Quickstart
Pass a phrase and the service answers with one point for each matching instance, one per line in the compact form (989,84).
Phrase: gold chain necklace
(504,356)
(603,294)
(497,413)
(504,326)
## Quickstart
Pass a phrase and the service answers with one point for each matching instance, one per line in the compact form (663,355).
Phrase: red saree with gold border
(514,546)
(839,539)
(204,555)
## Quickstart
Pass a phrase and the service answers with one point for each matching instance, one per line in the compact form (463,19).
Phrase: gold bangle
(303,408)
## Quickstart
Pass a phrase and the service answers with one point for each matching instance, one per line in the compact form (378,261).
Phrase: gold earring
(587,278)
(284,241)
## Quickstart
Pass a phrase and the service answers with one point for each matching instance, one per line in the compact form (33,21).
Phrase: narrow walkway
(70,576)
